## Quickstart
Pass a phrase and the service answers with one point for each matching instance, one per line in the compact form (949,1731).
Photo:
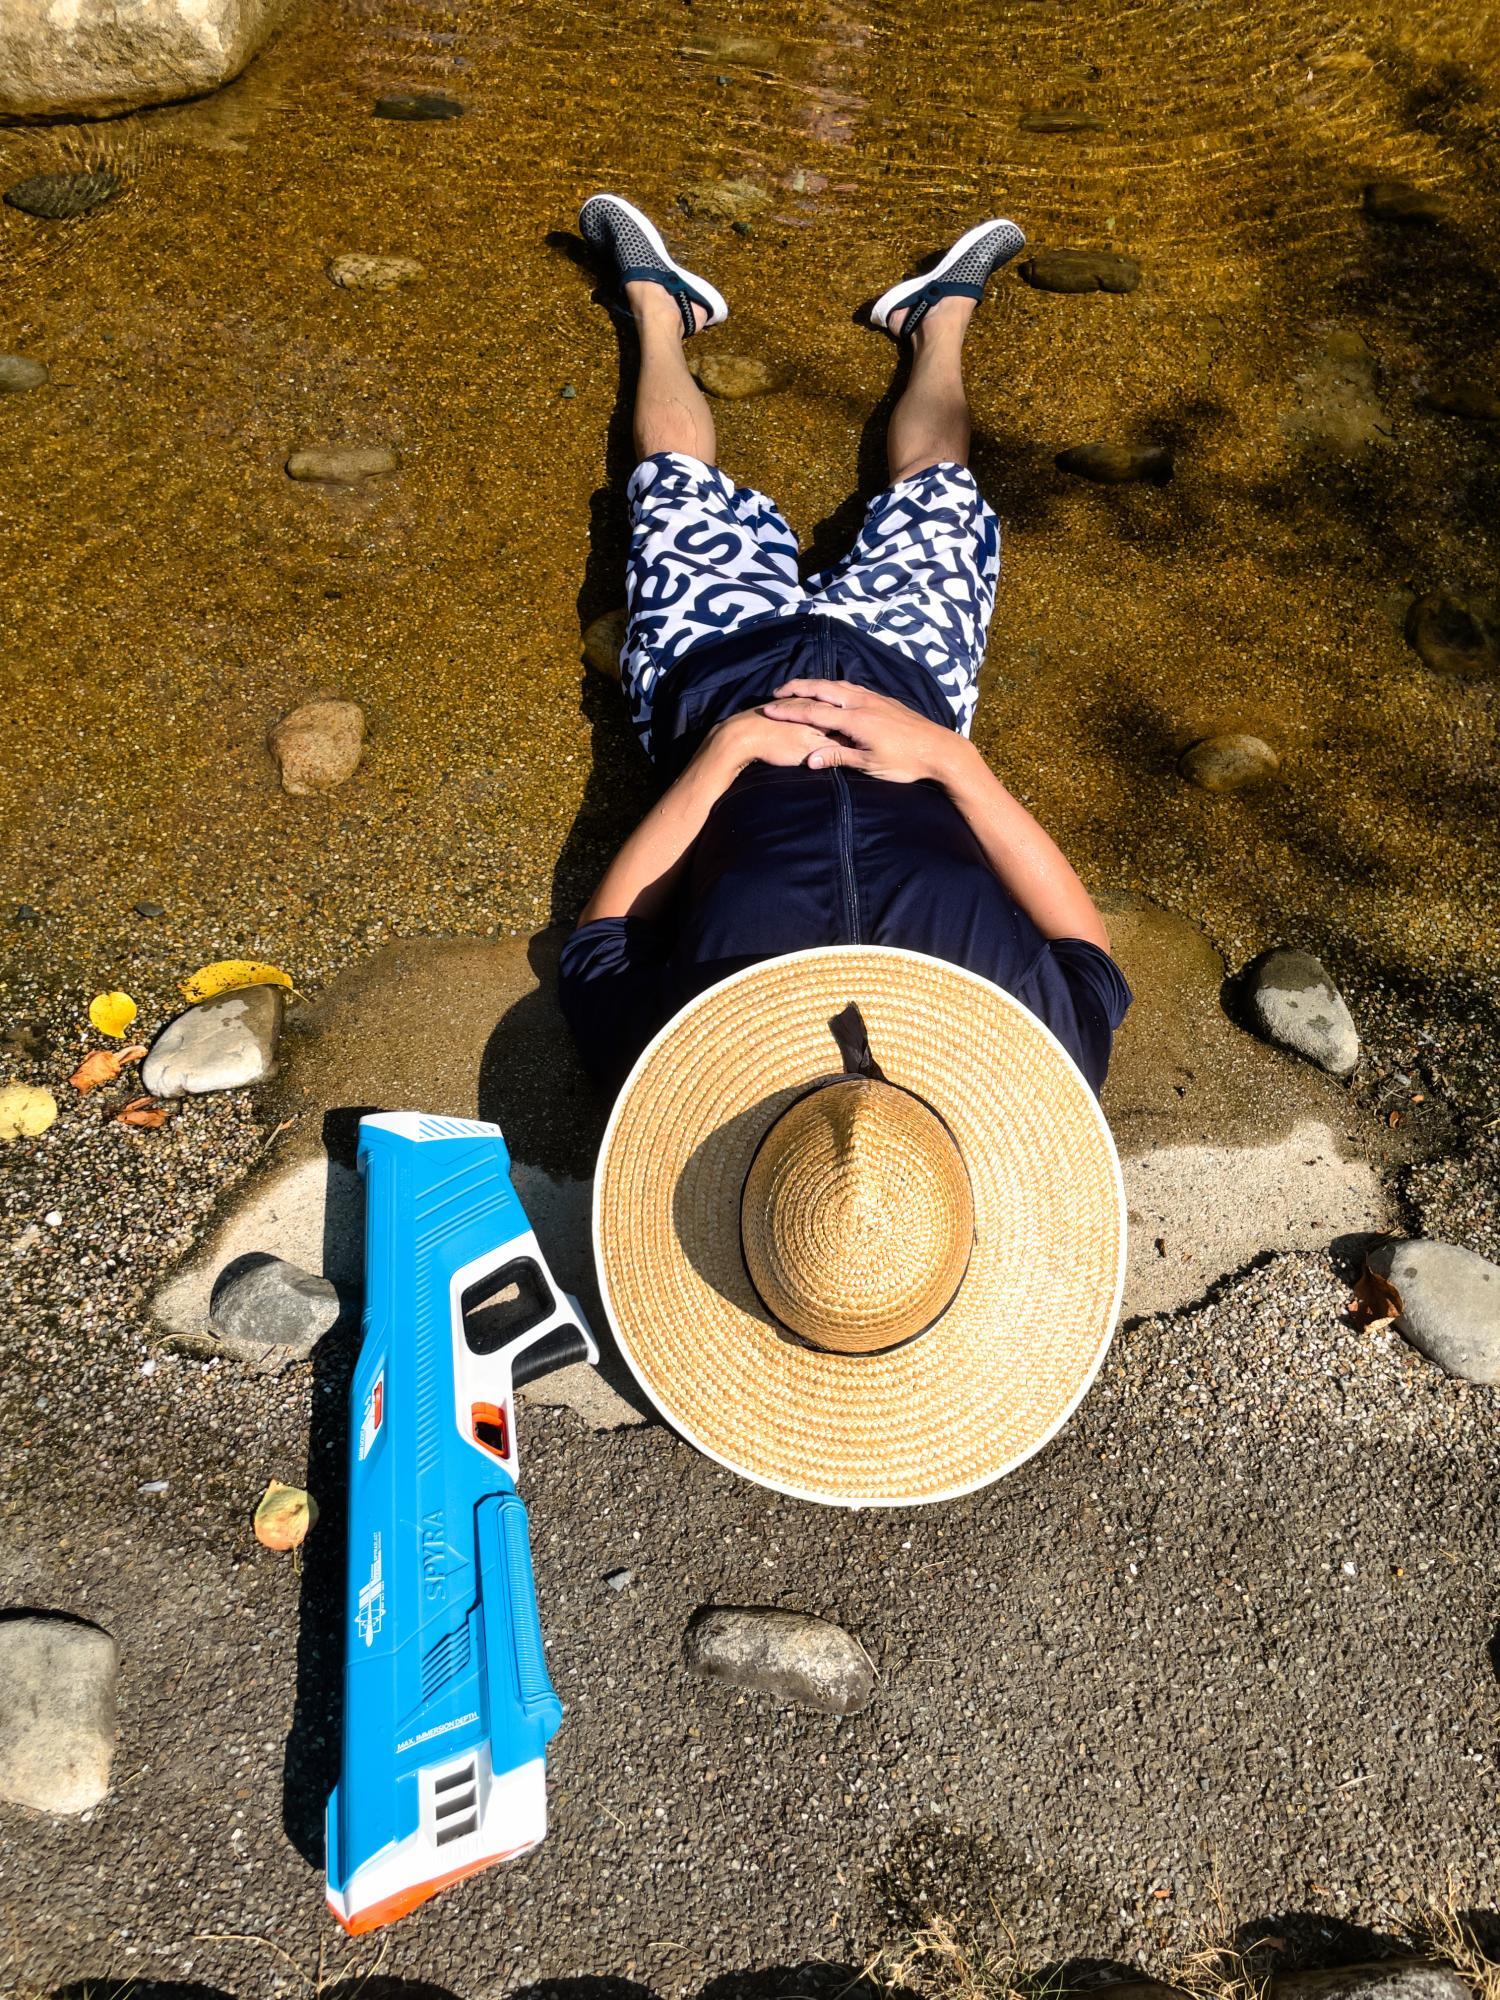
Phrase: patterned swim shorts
(708,559)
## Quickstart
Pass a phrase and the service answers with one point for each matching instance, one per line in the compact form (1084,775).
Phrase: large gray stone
(91,58)
(789,1654)
(271,1312)
(1391,1979)
(1450,1304)
(1291,1000)
(57,1713)
(221,1044)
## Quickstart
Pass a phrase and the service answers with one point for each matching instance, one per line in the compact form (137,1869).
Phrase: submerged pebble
(18,373)
(57,197)
(418,107)
(1060,121)
(1395,201)
(1115,464)
(1290,999)
(1231,762)
(318,745)
(357,271)
(603,642)
(735,376)
(1081,271)
(723,201)
(342,465)
(1453,635)
(1476,402)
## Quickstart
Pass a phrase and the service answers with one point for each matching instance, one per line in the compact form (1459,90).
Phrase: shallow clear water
(167,591)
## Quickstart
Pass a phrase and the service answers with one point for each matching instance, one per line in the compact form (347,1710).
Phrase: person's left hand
(869,732)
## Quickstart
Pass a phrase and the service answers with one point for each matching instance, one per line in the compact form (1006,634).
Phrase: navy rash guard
(791,858)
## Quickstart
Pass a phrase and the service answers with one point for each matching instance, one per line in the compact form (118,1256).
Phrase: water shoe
(619,229)
(961,272)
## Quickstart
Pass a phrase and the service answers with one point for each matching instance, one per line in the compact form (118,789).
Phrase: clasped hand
(824,724)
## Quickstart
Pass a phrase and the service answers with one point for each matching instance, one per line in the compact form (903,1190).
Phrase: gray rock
(1291,1000)
(1394,201)
(619,1579)
(265,1310)
(59,197)
(342,465)
(1390,1979)
(1081,271)
(357,271)
(420,107)
(1231,762)
(18,373)
(1454,635)
(1450,1304)
(57,1713)
(1115,464)
(789,1654)
(318,745)
(221,1044)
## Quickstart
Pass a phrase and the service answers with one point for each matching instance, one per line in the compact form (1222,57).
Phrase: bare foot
(648,301)
(947,314)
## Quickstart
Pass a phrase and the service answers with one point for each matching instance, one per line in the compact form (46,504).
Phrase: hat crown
(857,1217)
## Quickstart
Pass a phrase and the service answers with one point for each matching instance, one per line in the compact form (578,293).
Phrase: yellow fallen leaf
(25,1111)
(284,1516)
(112,1013)
(225,975)
(104,1066)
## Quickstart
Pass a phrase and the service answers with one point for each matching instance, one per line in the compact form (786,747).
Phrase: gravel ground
(1229,1643)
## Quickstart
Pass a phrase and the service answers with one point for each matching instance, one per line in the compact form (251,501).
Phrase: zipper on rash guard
(843,805)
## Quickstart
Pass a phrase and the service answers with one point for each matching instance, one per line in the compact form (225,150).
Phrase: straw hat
(859,1227)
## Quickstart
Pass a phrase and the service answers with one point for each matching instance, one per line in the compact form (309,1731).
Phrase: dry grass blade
(1440,1933)
(936,1960)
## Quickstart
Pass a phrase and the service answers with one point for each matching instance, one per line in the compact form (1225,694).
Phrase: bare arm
(640,880)
(871,732)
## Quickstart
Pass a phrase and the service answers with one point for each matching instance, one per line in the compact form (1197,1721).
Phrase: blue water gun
(447,1706)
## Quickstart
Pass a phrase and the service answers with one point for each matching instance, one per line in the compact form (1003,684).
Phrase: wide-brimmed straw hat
(859,1226)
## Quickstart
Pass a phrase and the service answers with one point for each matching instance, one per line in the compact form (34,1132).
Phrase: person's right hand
(753,737)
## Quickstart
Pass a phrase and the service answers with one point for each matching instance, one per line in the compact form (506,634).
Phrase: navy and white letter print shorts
(708,559)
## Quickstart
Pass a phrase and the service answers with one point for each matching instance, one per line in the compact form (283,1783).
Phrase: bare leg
(671,411)
(930,423)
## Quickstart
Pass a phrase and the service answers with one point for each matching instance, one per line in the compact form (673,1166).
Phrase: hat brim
(1014,1353)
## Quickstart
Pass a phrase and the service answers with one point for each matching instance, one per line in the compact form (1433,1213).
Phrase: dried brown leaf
(1375,1301)
(144,1112)
(102,1066)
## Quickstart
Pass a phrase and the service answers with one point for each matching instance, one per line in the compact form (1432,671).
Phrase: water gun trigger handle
(492,1363)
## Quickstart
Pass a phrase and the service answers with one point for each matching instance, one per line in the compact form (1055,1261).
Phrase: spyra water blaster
(447,1706)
